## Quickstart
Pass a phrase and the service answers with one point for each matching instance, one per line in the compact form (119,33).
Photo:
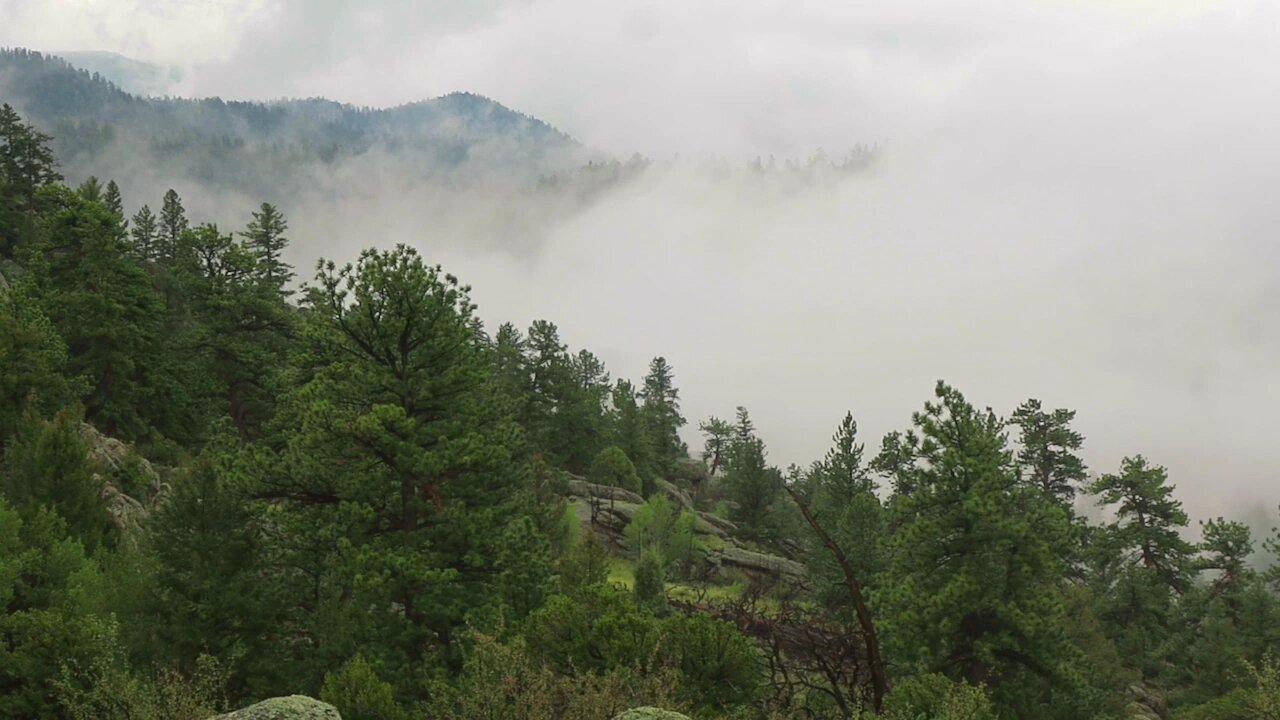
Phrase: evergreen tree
(265,235)
(32,362)
(91,189)
(612,467)
(26,165)
(846,505)
(99,298)
(1225,549)
(715,448)
(753,485)
(173,223)
(627,432)
(971,590)
(1048,455)
(661,411)
(111,198)
(1148,520)
(145,234)
(47,468)
(215,592)
(393,445)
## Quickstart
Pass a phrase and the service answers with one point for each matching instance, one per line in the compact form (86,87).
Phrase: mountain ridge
(462,135)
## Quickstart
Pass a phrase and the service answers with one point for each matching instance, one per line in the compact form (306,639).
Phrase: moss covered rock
(294,707)
(650,713)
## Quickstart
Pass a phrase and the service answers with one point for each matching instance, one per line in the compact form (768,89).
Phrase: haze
(1073,201)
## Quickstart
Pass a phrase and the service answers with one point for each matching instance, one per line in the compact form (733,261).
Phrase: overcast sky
(1077,200)
(740,76)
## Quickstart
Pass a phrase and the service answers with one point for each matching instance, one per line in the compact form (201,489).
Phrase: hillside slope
(266,147)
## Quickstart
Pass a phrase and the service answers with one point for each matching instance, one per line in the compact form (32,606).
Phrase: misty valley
(284,434)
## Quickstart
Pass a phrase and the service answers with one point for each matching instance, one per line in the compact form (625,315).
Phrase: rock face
(649,713)
(113,457)
(763,564)
(583,489)
(293,707)
(1146,702)
(606,511)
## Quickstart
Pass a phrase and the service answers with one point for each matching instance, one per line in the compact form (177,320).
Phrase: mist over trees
(217,485)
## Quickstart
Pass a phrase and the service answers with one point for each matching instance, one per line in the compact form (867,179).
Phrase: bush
(359,694)
(935,697)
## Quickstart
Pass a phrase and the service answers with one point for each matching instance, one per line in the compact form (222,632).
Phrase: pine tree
(971,590)
(100,300)
(396,454)
(1226,548)
(846,505)
(753,485)
(1048,456)
(173,223)
(91,189)
(265,234)
(1148,520)
(33,360)
(111,198)
(26,165)
(715,448)
(215,592)
(47,467)
(661,410)
(627,431)
(145,234)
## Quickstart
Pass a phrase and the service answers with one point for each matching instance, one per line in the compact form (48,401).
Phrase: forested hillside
(220,483)
(275,147)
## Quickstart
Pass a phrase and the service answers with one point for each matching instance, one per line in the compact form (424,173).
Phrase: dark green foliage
(214,592)
(627,432)
(1148,520)
(394,453)
(662,418)
(565,406)
(173,223)
(363,497)
(971,588)
(47,468)
(844,501)
(26,165)
(612,467)
(33,362)
(753,485)
(145,234)
(265,235)
(359,694)
(1047,457)
(98,297)
(650,589)
(715,449)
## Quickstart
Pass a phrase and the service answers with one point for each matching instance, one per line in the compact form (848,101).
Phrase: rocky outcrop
(293,707)
(113,459)
(649,713)
(756,563)
(581,488)
(1146,702)
(675,494)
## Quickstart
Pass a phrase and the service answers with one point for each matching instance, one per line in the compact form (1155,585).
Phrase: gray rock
(761,563)
(584,489)
(293,707)
(675,494)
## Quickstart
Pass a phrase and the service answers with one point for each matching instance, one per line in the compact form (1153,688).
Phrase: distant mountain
(132,76)
(269,149)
